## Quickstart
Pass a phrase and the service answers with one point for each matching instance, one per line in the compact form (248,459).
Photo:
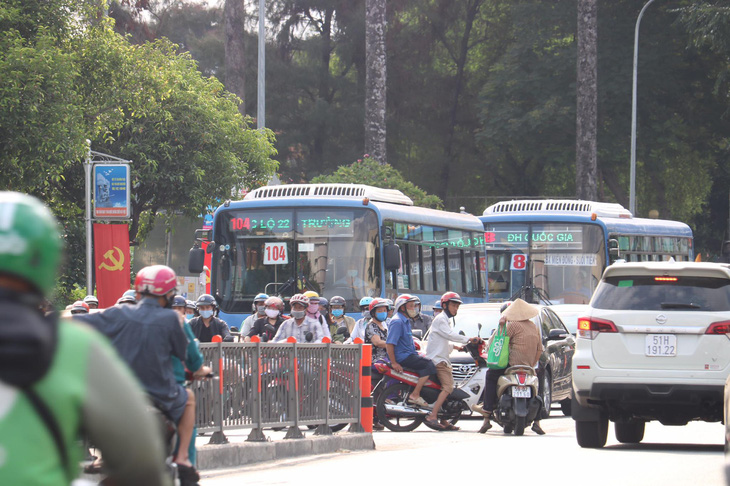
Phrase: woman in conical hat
(525,349)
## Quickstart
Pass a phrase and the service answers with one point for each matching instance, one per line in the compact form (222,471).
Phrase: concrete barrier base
(243,453)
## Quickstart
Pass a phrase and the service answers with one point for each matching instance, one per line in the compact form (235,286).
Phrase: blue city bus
(349,240)
(558,249)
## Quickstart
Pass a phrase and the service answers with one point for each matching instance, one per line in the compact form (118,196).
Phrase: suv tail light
(590,327)
(719,328)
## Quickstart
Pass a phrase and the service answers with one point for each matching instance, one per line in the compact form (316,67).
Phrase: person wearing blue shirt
(402,351)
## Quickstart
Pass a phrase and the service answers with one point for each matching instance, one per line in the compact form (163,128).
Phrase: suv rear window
(646,293)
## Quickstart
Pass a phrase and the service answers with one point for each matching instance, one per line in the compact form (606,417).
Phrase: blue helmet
(260,298)
(365,301)
(437,304)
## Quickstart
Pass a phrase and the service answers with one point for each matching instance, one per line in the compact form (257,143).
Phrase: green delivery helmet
(30,244)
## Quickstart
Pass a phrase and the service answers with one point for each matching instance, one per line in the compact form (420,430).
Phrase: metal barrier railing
(278,385)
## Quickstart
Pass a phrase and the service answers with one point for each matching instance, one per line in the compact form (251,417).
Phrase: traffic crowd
(60,376)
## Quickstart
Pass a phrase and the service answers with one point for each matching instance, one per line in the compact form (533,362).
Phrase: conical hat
(520,310)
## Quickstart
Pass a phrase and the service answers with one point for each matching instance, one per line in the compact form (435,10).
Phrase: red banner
(111,261)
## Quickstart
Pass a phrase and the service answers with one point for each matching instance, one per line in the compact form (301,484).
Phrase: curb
(241,454)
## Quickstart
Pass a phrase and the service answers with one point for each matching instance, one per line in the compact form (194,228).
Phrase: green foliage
(371,172)
(69,77)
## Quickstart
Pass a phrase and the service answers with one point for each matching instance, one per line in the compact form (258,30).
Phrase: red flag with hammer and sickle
(111,262)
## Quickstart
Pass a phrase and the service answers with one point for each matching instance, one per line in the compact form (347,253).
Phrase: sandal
(450,427)
(434,424)
(418,401)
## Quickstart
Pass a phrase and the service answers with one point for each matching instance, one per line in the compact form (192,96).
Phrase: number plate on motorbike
(521,391)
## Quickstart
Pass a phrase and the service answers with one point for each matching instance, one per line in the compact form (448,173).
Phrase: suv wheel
(630,432)
(565,406)
(592,433)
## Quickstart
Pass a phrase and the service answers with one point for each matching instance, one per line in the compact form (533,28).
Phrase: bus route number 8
(519,262)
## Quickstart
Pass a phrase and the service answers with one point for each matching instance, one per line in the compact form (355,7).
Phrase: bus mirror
(196,260)
(211,246)
(391,252)
(613,249)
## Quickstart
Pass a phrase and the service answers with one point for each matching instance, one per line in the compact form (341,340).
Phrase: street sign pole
(89,268)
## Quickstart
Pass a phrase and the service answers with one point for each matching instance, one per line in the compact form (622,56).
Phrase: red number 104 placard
(275,254)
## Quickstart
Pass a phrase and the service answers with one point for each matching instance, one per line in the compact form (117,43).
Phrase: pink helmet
(156,280)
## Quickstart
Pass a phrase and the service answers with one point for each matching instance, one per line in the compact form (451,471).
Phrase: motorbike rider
(439,348)
(92,301)
(58,378)
(147,336)
(421,321)
(525,349)
(359,330)
(206,325)
(79,307)
(193,361)
(299,324)
(274,306)
(189,310)
(340,319)
(259,310)
(128,297)
(376,333)
(313,312)
(437,308)
(402,351)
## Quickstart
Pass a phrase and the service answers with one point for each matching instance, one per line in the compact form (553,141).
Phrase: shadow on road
(649,447)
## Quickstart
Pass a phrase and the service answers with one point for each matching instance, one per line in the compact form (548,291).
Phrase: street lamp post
(632,189)
(261,105)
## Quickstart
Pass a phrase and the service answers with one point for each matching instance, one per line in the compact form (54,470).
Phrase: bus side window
(440,270)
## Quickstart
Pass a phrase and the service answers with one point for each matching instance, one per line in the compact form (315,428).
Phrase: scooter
(517,399)
(392,406)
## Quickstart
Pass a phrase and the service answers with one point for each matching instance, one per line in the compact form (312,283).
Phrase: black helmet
(207,299)
(178,301)
(337,300)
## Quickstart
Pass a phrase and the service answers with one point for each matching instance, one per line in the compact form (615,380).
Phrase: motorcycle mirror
(309,336)
(265,338)
(418,333)
(461,333)
(479,327)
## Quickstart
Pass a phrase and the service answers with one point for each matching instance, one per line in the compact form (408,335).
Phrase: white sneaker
(477,407)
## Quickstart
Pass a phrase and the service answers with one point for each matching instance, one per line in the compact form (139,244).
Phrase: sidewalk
(238,452)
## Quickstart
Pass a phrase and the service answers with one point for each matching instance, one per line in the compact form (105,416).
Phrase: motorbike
(392,406)
(518,402)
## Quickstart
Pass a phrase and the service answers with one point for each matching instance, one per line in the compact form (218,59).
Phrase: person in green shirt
(60,377)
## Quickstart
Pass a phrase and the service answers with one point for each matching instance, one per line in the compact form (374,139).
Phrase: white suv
(654,345)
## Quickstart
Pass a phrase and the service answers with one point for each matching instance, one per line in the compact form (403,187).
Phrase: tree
(371,172)
(375,86)
(586,167)
(235,50)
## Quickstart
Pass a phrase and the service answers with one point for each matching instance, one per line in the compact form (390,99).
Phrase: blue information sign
(111,191)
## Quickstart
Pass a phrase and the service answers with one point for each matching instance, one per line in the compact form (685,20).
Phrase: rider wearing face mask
(258,307)
(339,319)
(299,326)
(267,326)
(206,325)
(313,312)
(361,324)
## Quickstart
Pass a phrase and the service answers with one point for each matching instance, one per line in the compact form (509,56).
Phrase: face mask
(412,313)
(365,313)
(189,316)
(381,316)
(260,309)
(206,314)
(272,312)
(338,312)
(352,273)
(298,314)
(313,308)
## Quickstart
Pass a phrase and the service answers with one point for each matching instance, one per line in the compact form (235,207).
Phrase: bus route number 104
(275,254)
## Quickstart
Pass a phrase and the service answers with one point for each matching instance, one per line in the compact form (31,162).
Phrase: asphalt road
(689,455)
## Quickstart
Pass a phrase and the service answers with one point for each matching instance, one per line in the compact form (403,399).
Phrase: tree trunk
(586,165)
(235,55)
(375,76)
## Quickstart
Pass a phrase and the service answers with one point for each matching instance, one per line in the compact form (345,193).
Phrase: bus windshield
(563,260)
(283,251)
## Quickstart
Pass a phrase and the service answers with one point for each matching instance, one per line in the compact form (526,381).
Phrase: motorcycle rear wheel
(398,394)
(519,425)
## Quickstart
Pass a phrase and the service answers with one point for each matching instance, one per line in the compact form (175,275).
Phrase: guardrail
(278,385)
